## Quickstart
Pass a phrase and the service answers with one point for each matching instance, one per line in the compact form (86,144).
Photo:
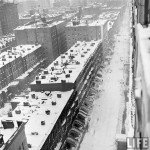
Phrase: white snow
(104,119)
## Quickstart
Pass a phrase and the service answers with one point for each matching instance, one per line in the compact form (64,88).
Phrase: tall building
(59,3)
(43,4)
(26,5)
(9,18)
(12,135)
(51,36)
(84,31)
(57,101)
(78,2)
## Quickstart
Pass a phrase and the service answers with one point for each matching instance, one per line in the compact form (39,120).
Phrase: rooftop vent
(36,78)
(3,59)
(18,111)
(70,71)
(47,93)
(33,96)
(77,62)
(67,75)
(92,44)
(34,133)
(58,95)
(42,123)
(54,78)
(10,56)
(26,104)
(63,81)
(52,68)
(43,77)
(46,72)
(56,63)
(53,103)
(63,56)
(29,146)
(10,114)
(38,82)
(8,124)
(47,112)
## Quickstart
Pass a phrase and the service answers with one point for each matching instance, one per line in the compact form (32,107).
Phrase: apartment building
(18,60)
(12,135)
(9,18)
(51,36)
(84,31)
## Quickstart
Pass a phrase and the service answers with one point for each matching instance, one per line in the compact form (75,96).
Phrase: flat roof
(31,108)
(109,15)
(35,113)
(79,49)
(98,22)
(16,52)
(38,25)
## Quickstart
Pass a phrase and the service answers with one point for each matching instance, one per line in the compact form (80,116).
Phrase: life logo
(137,143)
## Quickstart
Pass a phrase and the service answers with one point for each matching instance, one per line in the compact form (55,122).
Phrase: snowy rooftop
(98,22)
(38,25)
(144,51)
(16,52)
(81,52)
(110,15)
(32,109)
(26,49)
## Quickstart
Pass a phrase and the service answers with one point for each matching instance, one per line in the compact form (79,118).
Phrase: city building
(51,36)
(43,4)
(26,5)
(61,3)
(9,18)
(12,136)
(78,3)
(17,61)
(93,9)
(6,42)
(84,31)
(56,97)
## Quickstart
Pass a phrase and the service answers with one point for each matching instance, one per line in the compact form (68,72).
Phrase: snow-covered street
(108,108)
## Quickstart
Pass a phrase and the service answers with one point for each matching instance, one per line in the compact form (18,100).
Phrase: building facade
(85,32)
(16,139)
(51,36)
(9,18)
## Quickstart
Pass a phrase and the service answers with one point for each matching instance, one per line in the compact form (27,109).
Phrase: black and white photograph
(74,74)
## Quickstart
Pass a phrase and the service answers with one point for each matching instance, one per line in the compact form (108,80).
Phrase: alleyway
(109,106)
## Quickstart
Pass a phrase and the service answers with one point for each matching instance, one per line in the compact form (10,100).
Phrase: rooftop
(98,22)
(38,25)
(16,52)
(44,108)
(75,58)
(110,15)
(33,108)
